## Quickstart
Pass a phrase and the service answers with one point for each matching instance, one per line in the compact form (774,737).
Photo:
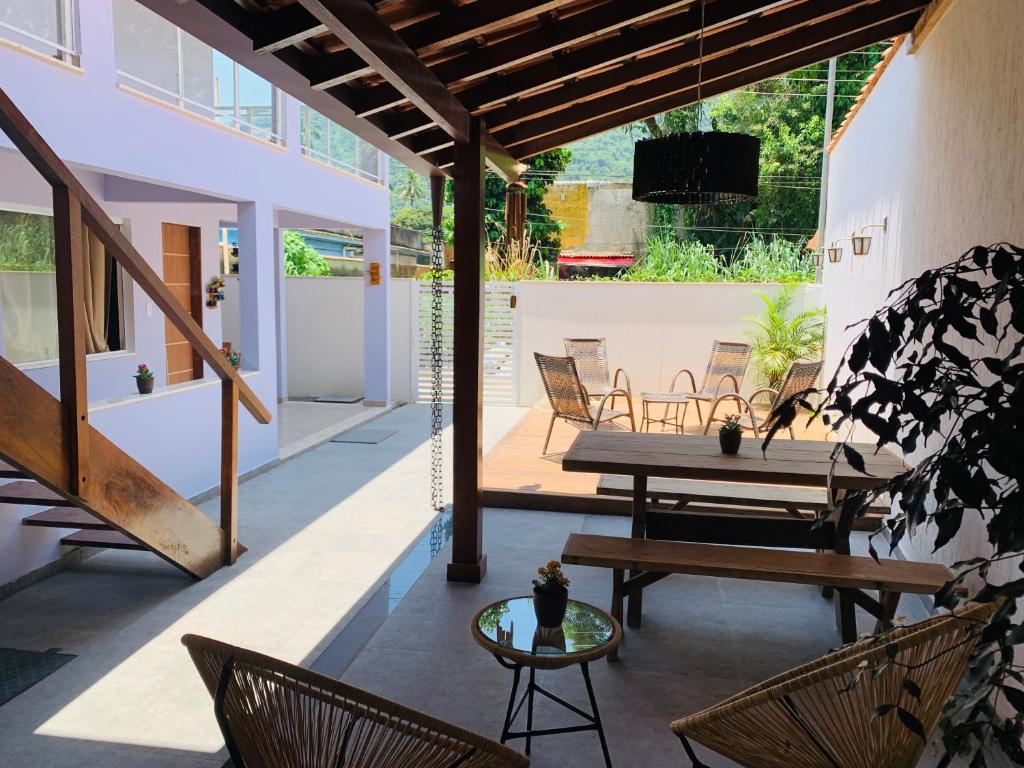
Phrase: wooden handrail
(52,168)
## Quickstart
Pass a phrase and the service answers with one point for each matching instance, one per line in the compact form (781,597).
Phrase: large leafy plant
(779,338)
(937,374)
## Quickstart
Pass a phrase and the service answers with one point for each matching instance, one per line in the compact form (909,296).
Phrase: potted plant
(730,434)
(232,356)
(550,595)
(144,379)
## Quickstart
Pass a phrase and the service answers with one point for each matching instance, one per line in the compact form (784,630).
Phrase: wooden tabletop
(698,457)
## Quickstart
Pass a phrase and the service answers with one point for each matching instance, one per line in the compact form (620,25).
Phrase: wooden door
(183,275)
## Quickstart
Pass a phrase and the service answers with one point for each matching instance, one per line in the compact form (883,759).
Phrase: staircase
(52,458)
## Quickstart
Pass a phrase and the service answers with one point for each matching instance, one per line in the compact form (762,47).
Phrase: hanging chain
(436,340)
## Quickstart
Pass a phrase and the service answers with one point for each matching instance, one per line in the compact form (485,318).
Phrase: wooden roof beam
(628,44)
(746,58)
(449,27)
(574,30)
(835,13)
(773,68)
(284,27)
(358,25)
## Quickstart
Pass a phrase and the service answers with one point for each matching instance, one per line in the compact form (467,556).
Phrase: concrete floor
(703,640)
(323,531)
(302,424)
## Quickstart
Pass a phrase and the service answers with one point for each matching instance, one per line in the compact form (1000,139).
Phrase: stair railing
(73,208)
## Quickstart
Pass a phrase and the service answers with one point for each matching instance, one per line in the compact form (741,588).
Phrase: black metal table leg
(516,670)
(592,719)
(529,707)
(597,716)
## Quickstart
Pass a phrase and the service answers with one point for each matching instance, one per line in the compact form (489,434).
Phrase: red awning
(596,259)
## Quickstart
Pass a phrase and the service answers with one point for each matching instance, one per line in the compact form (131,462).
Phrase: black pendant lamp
(698,168)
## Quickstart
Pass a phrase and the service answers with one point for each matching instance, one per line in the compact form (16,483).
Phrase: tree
(541,170)
(411,187)
(300,259)
(787,114)
(419,219)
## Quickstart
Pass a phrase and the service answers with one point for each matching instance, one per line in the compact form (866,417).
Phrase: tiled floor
(302,424)
(703,640)
(323,531)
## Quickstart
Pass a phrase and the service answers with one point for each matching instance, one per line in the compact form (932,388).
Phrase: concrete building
(177,143)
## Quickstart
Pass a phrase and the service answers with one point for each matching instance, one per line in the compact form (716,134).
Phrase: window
(28,291)
(161,60)
(327,142)
(46,26)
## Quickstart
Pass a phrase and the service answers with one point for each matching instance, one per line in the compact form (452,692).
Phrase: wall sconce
(835,252)
(862,242)
(817,257)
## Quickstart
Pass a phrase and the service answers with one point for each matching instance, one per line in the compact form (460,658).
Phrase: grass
(760,260)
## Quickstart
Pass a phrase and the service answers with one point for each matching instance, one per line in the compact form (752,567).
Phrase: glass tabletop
(512,624)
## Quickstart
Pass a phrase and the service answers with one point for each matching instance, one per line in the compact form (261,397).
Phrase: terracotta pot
(145,385)
(730,440)
(549,605)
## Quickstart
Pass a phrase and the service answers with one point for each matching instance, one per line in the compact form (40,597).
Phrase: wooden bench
(650,560)
(794,500)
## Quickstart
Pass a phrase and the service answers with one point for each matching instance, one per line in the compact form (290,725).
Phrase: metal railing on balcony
(326,142)
(49,28)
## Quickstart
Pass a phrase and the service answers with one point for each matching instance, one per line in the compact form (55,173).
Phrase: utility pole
(830,101)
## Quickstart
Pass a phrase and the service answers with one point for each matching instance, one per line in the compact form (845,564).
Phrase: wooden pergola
(449,87)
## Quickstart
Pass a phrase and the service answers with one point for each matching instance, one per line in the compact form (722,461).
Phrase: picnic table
(805,463)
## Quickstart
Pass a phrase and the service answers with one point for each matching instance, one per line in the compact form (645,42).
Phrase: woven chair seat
(825,712)
(273,713)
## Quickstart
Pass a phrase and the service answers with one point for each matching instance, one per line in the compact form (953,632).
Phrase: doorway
(183,276)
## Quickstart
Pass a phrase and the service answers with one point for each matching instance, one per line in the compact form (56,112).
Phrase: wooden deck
(517,476)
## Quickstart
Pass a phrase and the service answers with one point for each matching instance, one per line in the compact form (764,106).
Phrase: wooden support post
(229,469)
(469,564)
(74,401)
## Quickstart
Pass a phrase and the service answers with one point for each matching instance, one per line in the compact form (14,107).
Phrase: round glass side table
(509,631)
(670,418)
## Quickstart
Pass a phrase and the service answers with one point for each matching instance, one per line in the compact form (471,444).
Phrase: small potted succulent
(730,434)
(144,379)
(550,595)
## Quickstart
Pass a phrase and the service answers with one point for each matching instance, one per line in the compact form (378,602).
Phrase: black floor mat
(20,670)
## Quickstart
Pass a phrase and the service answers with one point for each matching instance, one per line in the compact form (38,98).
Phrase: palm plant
(779,339)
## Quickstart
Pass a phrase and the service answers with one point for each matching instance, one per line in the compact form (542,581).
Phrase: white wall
(652,329)
(938,148)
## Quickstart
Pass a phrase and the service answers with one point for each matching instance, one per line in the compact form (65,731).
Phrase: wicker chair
(799,377)
(591,356)
(815,716)
(727,365)
(570,399)
(277,714)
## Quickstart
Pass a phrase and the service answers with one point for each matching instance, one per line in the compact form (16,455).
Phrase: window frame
(126,296)
(66,51)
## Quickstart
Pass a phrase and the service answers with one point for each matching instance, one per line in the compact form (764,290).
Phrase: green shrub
(779,339)
(302,260)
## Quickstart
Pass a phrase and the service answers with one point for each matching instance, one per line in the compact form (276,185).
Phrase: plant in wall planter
(550,595)
(730,434)
(232,356)
(144,379)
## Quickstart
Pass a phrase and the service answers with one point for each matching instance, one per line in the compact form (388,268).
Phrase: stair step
(6,470)
(65,517)
(31,492)
(108,539)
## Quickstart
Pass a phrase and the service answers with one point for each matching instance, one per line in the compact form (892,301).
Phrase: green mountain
(606,156)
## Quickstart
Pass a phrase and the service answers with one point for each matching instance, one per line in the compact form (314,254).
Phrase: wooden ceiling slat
(448,28)
(774,68)
(576,63)
(286,26)
(755,29)
(369,36)
(555,36)
(794,40)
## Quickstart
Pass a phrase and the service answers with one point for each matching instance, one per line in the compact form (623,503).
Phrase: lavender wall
(147,162)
